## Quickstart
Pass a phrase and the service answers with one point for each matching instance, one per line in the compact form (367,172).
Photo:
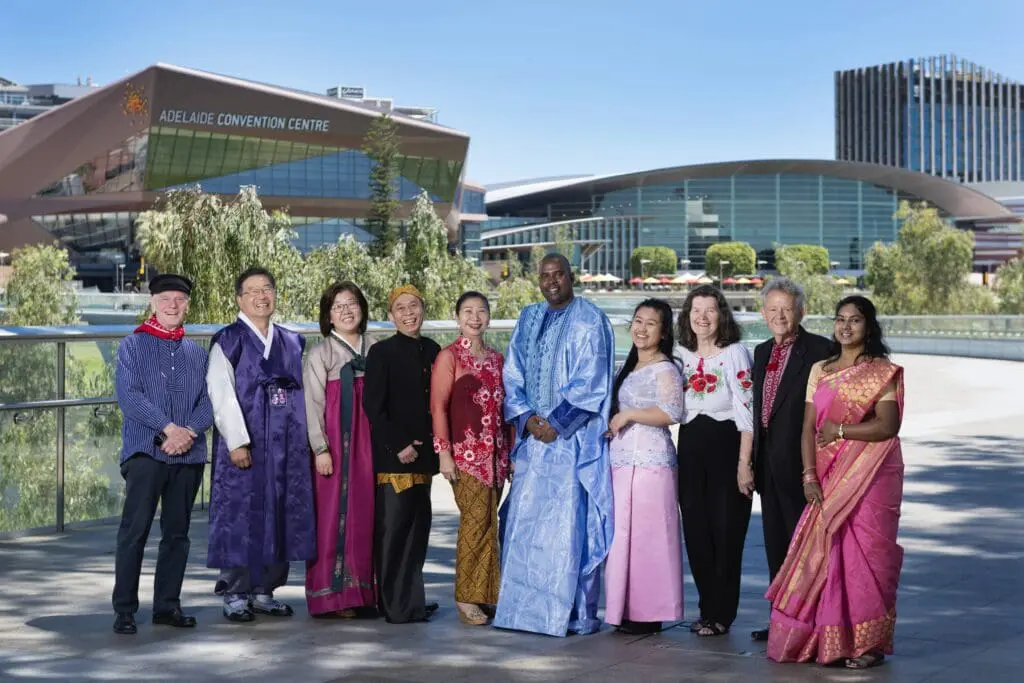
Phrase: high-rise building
(19,103)
(943,116)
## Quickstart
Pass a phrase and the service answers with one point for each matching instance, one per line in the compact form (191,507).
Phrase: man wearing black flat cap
(161,390)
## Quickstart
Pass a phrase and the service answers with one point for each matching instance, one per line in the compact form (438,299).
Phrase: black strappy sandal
(865,661)
(711,629)
(698,625)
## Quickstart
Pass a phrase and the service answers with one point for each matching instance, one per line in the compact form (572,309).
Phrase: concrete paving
(961,602)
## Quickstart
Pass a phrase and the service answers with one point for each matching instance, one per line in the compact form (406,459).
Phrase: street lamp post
(643,267)
(721,271)
(120,277)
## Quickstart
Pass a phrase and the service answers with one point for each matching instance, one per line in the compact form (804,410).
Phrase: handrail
(948,335)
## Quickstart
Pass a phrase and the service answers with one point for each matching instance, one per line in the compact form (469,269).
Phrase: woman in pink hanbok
(340,582)
(644,573)
(835,598)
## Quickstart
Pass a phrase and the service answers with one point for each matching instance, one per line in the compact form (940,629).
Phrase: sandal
(712,629)
(865,661)
(698,625)
(472,617)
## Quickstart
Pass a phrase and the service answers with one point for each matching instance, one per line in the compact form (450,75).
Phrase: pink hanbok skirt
(342,578)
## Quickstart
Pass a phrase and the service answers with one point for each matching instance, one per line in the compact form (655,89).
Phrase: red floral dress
(466,397)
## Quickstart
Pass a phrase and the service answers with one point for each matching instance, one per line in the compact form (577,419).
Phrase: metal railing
(56,396)
(60,426)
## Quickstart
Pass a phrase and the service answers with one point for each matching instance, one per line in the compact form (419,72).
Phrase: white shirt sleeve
(227,413)
(738,364)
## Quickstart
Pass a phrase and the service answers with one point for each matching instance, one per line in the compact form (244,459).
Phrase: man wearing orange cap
(396,398)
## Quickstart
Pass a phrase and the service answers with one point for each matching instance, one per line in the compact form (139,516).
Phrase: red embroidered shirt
(773,377)
(466,398)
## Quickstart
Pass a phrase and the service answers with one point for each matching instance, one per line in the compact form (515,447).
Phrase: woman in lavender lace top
(643,574)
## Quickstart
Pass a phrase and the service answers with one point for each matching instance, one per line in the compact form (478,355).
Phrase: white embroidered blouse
(719,386)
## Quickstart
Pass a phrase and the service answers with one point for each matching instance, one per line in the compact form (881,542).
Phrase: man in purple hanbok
(261,495)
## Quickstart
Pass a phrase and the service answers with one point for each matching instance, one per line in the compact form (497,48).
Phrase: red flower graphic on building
(135,105)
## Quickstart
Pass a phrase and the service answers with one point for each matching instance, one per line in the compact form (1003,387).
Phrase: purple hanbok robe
(264,514)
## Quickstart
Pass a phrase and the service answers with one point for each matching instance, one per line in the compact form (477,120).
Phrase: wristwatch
(841,432)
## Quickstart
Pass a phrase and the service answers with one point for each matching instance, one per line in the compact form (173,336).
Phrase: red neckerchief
(154,328)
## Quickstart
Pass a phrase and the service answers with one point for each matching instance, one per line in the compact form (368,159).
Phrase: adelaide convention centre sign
(233,120)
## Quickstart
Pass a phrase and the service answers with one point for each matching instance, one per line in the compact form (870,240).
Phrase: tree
(349,260)
(211,241)
(662,261)
(438,274)
(741,257)
(925,271)
(820,291)
(1009,287)
(39,291)
(814,259)
(513,296)
(564,244)
(381,145)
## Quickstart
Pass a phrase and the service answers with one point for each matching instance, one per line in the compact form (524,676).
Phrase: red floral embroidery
(702,382)
(483,454)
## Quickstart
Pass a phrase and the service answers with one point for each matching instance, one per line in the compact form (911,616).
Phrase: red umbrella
(636,281)
(729,281)
(756,281)
(665,280)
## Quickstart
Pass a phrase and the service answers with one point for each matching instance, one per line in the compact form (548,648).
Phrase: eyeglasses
(345,306)
(266,291)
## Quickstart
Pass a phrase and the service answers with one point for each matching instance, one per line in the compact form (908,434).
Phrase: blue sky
(543,87)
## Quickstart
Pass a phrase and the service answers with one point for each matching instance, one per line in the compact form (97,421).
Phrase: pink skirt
(644,570)
(341,578)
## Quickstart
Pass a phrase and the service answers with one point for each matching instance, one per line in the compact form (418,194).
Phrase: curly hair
(729,331)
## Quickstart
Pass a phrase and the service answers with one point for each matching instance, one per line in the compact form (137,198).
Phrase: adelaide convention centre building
(80,173)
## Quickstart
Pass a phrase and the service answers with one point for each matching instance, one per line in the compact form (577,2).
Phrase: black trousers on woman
(715,514)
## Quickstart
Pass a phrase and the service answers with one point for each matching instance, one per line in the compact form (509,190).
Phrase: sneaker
(236,608)
(266,604)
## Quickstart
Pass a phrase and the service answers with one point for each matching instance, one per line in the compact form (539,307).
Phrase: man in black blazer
(781,367)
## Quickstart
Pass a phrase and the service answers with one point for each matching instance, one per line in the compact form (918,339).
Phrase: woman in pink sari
(339,583)
(834,601)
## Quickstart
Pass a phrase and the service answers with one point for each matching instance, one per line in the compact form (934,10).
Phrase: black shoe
(430,608)
(124,624)
(639,628)
(174,618)
(760,636)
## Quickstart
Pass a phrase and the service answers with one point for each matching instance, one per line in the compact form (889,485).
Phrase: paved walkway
(961,605)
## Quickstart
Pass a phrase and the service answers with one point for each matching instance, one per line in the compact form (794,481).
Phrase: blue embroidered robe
(264,514)
(558,516)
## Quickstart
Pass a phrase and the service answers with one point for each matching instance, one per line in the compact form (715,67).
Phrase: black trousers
(780,512)
(715,514)
(148,482)
(401,534)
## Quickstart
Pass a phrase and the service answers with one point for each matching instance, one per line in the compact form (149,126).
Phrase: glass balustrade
(60,426)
